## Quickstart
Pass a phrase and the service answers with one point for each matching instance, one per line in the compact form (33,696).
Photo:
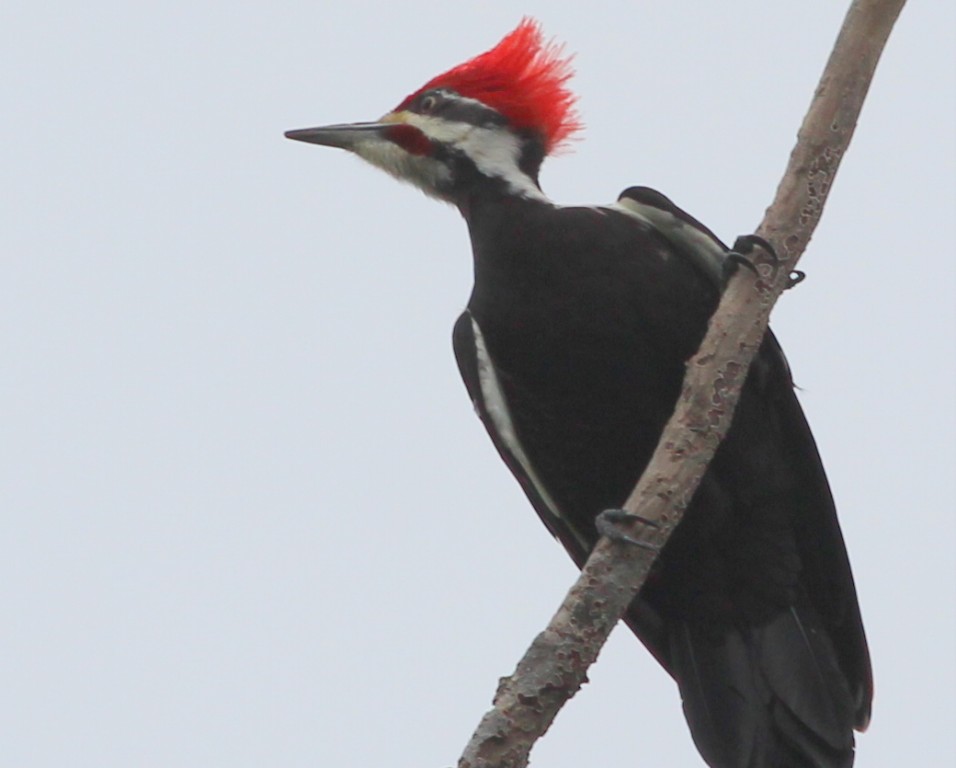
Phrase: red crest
(523,78)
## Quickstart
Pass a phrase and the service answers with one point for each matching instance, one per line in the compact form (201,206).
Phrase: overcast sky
(248,516)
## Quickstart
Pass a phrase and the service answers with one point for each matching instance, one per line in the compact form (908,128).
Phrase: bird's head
(486,123)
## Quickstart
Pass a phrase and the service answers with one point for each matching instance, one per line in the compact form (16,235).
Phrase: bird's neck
(510,243)
(493,201)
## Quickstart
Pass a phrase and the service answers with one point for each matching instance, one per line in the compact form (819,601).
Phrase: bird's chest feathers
(597,300)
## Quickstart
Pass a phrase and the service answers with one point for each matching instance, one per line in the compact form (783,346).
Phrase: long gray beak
(344,136)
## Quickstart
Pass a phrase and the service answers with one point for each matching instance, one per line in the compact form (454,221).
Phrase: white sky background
(248,516)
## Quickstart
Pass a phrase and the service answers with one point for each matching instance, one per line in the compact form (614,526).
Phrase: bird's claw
(732,262)
(611,521)
(737,257)
(745,244)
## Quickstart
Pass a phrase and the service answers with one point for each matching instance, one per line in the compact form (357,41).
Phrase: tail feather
(797,745)
(719,693)
(799,663)
(770,696)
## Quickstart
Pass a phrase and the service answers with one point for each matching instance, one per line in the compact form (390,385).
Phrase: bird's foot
(732,263)
(745,244)
(738,256)
(612,522)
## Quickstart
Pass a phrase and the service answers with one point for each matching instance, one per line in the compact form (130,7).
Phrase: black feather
(585,317)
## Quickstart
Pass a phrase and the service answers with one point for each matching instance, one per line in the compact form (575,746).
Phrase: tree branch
(555,666)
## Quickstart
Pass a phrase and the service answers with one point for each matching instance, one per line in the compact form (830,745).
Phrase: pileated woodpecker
(572,348)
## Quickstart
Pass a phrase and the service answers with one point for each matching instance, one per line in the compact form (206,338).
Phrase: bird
(572,348)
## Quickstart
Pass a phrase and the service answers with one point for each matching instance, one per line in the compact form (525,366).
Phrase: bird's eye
(428,104)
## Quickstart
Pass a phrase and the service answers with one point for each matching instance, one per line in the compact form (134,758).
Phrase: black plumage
(573,348)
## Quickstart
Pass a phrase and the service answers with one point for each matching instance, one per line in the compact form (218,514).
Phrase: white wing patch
(709,253)
(497,408)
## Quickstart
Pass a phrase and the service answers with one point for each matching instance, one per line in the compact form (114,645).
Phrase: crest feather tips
(522,77)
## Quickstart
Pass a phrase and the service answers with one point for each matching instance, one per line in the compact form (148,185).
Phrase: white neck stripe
(494,151)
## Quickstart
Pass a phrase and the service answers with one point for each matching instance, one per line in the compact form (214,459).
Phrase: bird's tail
(769,696)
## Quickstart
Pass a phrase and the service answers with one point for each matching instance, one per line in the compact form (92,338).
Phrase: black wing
(826,568)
